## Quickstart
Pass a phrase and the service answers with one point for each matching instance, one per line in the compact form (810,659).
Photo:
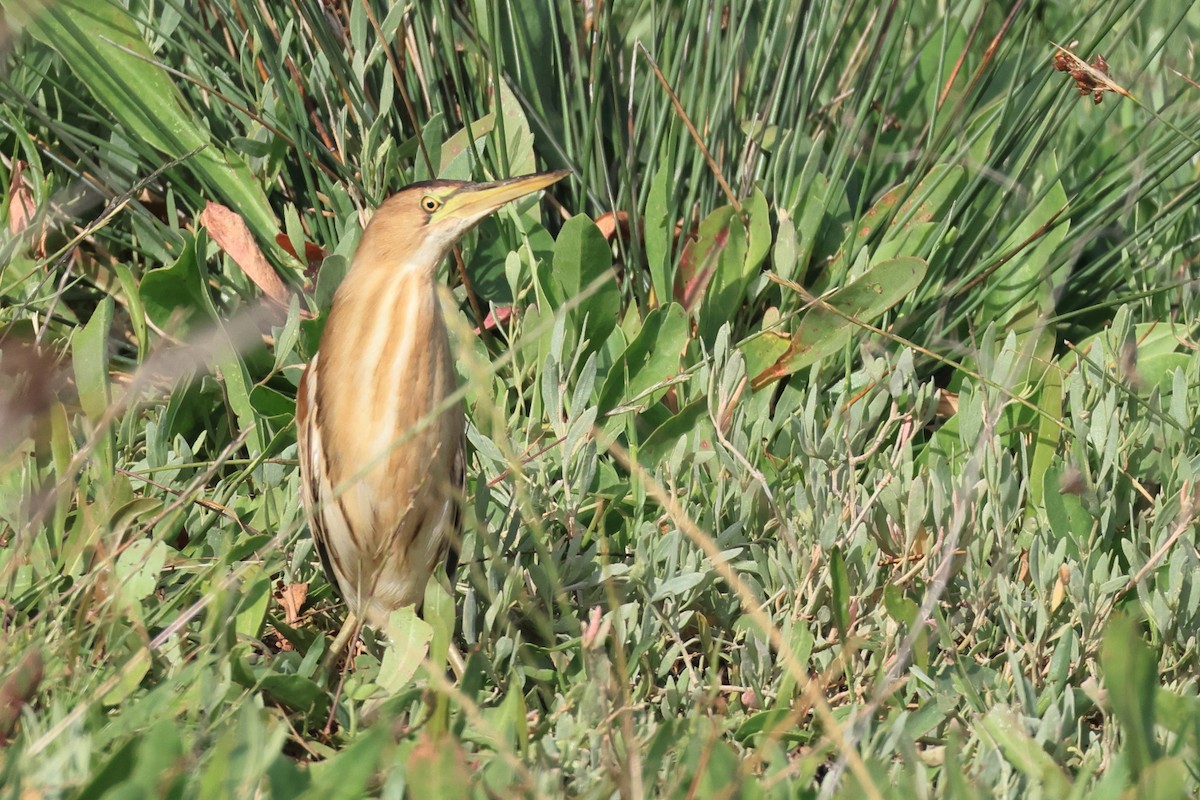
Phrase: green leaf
(1179,714)
(650,359)
(517,148)
(456,162)
(1131,678)
(137,313)
(145,766)
(839,597)
(582,270)
(256,596)
(437,767)
(1166,779)
(712,271)
(1049,429)
(333,270)
(298,693)
(287,778)
(272,404)
(800,641)
(758,227)
(1022,291)
(409,637)
(658,232)
(761,350)
(1156,356)
(691,419)
(348,774)
(235,379)
(510,721)
(822,215)
(719,770)
(1068,518)
(128,651)
(288,336)
(677,585)
(176,298)
(138,568)
(900,608)
(828,324)
(786,255)
(103,46)
(438,612)
(245,547)
(724,250)
(766,721)
(113,775)
(1024,752)
(89,357)
(918,217)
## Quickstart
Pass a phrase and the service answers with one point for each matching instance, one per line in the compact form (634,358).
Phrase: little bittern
(381,449)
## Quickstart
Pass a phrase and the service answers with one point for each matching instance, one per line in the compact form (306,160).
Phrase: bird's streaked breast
(389,450)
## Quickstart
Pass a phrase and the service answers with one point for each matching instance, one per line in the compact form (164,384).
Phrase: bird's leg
(344,636)
(335,676)
(458,664)
(454,658)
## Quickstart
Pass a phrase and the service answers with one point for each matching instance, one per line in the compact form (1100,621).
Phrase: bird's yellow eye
(430,203)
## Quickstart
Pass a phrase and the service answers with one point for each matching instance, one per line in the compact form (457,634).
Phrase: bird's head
(418,225)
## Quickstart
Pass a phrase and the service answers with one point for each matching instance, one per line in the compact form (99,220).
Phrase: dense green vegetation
(852,454)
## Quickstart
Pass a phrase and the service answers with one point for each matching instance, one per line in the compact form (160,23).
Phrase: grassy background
(855,457)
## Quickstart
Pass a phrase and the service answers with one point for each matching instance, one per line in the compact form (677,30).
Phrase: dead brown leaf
(229,231)
(1059,593)
(1090,79)
(947,405)
(291,598)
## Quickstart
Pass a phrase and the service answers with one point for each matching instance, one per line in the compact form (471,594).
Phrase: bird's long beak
(476,200)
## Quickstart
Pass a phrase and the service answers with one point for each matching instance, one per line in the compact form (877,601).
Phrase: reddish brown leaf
(596,630)
(697,265)
(690,281)
(229,231)
(314,254)
(612,222)
(495,318)
(17,689)
(22,209)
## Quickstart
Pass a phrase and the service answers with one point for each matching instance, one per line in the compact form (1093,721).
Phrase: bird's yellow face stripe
(475,200)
